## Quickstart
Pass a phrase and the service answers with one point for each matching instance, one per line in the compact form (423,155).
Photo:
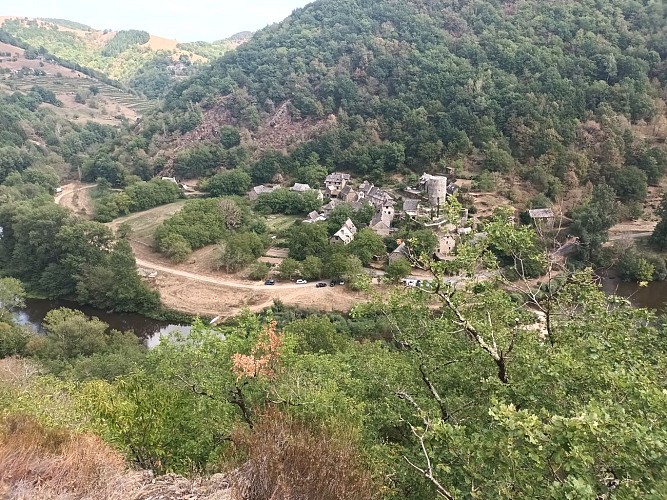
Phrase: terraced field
(108,106)
(68,85)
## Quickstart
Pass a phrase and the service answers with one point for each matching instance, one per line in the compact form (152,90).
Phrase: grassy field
(278,223)
(143,224)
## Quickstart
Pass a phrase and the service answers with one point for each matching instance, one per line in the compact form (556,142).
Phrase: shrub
(55,460)
(175,247)
(259,271)
(286,459)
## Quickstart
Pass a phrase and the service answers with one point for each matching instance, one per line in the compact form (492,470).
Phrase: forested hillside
(505,373)
(145,63)
(559,94)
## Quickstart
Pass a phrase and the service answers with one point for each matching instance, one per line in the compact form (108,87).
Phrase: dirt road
(75,197)
(199,291)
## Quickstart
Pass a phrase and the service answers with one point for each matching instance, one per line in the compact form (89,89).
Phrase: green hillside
(146,63)
(556,92)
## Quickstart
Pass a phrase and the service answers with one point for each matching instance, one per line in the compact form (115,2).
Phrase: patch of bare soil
(76,197)
(279,131)
(196,297)
(196,287)
(486,203)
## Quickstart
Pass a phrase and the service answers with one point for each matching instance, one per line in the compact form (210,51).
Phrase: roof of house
(313,215)
(401,249)
(262,189)
(301,188)
(346,190)
(365,186)
(346,232)
(349,225)
(337,177)
(541,213)
(380,218)
(410,205)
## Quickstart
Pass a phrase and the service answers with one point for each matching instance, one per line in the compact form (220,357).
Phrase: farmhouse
(335,182)
(257,191)
(314,216)
(345,234)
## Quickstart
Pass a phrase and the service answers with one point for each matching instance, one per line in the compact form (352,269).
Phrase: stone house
(335,182)
(345,234)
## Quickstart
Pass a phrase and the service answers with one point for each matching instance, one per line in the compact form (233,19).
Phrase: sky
(184,20)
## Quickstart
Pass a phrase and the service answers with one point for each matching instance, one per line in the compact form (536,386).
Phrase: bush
(175,247)
(288,460)
(633,266)
(13,340)
(259,271)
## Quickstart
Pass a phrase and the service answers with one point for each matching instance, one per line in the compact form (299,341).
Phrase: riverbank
(148,329)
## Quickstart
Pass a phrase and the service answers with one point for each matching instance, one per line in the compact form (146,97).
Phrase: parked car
(320,285)
(341,282)
(333,283)
(270,282)
(301,282)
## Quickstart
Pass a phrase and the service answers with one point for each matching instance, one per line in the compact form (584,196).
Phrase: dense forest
(559,94)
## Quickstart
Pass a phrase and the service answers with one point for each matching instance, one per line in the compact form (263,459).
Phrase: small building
(314,216)
(401,252)
(446,245)
(300,188)
(345,234)
(257,191)
(543,218)
(170,179)
(374,195)
(411,207)
(435,188)
(381,224)
(336,181)
(329,207)
(348,194)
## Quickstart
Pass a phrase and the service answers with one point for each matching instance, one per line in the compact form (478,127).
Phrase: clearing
(196,288)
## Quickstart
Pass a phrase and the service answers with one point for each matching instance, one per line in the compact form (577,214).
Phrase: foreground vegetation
(473,391)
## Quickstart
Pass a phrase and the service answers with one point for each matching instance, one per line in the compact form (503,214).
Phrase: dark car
(270,282)
(333,283)
(320,285)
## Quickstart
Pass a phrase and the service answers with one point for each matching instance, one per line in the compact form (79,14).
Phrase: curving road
(157,266)
(215,281)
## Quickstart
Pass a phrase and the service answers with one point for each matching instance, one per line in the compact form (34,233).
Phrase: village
(421,206)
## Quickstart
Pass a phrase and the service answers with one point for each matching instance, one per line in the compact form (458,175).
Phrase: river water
(149,330)
(652,296)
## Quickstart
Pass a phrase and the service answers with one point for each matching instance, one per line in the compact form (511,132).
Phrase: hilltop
(82,96)
(550,95)
(144,62)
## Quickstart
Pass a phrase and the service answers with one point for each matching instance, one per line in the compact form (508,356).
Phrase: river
(652,296)
(149,330)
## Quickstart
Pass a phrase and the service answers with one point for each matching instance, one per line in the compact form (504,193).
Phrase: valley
(389,250)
